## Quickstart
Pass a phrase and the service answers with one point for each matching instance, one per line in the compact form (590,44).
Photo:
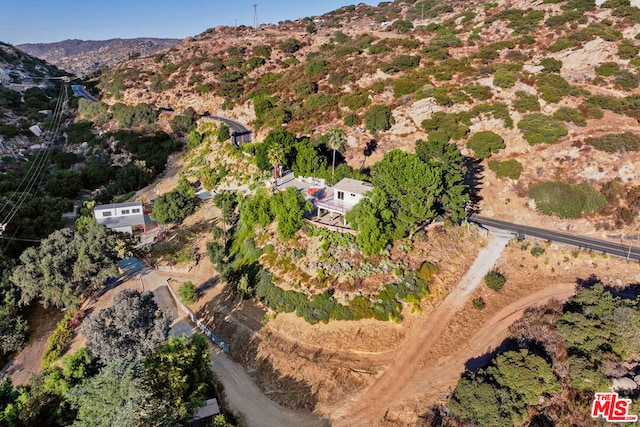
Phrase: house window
(106,213)
(135,210)
(124,212)
(340,195)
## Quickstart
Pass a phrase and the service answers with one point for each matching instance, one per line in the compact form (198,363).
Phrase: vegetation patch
(616,142)
(539,128)
(507,169)
(565,200)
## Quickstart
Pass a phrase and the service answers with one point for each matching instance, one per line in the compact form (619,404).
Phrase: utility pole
(255,16)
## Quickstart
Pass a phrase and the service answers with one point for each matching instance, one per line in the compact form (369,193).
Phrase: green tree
(67,266)
(173,206)
(276,159)
(289,208)
(336,140)
(411,186)
(256,210)
(12,330)
(132,326)
(308,161)
(180,375)
(114,397)
(290,45)
(223,133)
(373,221)
(63,183)
(448,158)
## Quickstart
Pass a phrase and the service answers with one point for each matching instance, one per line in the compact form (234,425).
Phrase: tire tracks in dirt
(372,403)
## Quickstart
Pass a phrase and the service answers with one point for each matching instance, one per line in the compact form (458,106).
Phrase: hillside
(540,80)
(520,110)
(81,57)
(27,85)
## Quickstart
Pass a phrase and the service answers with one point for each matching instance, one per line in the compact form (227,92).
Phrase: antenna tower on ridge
(255,16)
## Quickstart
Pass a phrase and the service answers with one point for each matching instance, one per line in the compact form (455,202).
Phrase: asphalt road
(241,134)
(79,90)
(619,249)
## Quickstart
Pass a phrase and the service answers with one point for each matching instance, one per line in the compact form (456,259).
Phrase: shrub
(568,114)
(616,142)
(379,117)
(509,168)
(526,102)
(627,49)
(290,45)
(484,143)
(400,63)
(565,200)
(626,79)
(504,79)
(551,65)
(552,87)
(401,26)
(188,293)
(607,68)
(537,251)
(538,128)
(495,280)
(446,126)
(351,120)
(479,304)
(59,340)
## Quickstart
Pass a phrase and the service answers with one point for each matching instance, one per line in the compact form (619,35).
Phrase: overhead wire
(39,163)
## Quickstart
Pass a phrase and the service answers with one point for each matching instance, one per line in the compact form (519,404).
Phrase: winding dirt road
(371,405)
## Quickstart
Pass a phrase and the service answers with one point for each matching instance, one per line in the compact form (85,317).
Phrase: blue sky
(44,21)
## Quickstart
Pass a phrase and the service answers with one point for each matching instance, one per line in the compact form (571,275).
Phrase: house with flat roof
(124,217)
(343,196)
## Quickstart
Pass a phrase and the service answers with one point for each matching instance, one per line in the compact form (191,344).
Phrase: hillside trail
(439,377)
(370,405)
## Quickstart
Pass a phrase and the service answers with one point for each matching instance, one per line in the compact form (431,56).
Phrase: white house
(340,198)
(125,217)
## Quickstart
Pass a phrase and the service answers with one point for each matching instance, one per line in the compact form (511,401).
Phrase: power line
(39,163)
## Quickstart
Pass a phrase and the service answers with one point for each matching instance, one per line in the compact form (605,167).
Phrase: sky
(46,21)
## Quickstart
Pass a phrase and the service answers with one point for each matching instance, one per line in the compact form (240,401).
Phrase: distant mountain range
(80,57)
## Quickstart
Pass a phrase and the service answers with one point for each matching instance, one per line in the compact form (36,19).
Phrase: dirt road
(246,399)
(434,382)
(242,395)
(372,403)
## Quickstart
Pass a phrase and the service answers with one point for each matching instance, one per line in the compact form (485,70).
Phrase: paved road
(619,249)
(241,134)
(79,90)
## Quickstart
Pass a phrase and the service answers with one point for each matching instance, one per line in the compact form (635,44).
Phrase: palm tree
(276,158)
(336,142)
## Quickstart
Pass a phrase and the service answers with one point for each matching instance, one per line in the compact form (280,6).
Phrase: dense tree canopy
(289,208)
(173,206)
(411,187)
(67,266)
(132,326)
